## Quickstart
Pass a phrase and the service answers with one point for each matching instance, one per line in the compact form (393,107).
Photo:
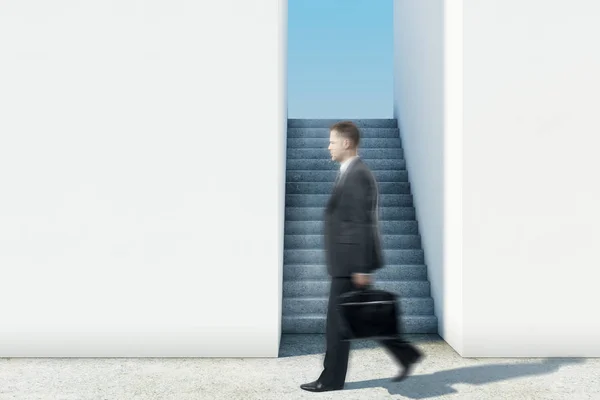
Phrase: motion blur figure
(353,253)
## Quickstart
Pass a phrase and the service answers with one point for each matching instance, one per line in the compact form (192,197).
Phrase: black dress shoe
(317,386)
(406,369)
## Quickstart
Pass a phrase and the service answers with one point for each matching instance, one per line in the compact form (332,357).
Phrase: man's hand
(361,280)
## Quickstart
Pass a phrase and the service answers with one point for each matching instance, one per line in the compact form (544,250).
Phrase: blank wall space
(128,207)
(420,109)
(530,194)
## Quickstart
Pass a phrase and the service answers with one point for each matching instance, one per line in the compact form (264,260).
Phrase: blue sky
(340,58)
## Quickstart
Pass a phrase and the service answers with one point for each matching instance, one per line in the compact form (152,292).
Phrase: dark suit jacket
(352,241)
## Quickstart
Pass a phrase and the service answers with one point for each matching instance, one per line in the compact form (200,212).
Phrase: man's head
(344,138)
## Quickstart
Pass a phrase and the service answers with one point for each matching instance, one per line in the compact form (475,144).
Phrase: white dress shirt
(344,166)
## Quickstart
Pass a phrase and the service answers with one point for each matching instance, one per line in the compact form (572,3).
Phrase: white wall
(511,244)
(283,115)
(420,106)
(530,193)
(142,193)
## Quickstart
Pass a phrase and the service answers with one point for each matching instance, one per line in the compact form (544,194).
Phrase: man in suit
(353,253)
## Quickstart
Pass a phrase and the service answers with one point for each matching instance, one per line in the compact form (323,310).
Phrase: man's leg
(405,353)
(338,351)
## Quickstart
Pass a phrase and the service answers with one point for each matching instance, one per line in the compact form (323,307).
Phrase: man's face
(336,146)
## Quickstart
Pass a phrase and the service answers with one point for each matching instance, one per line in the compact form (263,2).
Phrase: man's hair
(347,130)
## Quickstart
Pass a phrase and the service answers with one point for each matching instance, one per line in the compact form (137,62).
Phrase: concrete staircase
(309,180)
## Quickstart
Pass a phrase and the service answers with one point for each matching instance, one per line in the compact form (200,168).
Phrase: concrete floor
(442,374)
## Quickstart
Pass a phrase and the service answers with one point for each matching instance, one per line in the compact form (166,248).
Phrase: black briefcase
(369,314)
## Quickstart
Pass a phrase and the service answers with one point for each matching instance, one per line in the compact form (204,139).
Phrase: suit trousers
(335,363)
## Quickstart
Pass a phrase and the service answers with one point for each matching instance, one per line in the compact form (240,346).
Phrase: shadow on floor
(440,383)
(428,385)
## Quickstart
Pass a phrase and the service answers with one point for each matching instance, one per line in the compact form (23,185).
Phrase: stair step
(385,227)
(408,272)
(316,213)
(323,143)
(326,164)
(320,200)
(323,153)
(329,176)
(318,288)
(314,242)
(327,122)
(317,256)
(315,324)
(318,305)
(327,187)
(324,133)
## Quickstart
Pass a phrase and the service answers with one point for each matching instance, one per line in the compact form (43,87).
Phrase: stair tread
(324,249)
(326,129)
(386,208)
(395,222)
(326,164)
(328,280)
(335,169)
(329,170)
(386,220)
(324,316)
(320,247)
(386,266)
(383,234)
(325,137)
(295,182)
(318,281)
(327,122)
(365,158)
(327,195)
(322,208)
(326,297)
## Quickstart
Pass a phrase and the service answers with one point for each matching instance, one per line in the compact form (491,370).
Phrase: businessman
(353,253)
